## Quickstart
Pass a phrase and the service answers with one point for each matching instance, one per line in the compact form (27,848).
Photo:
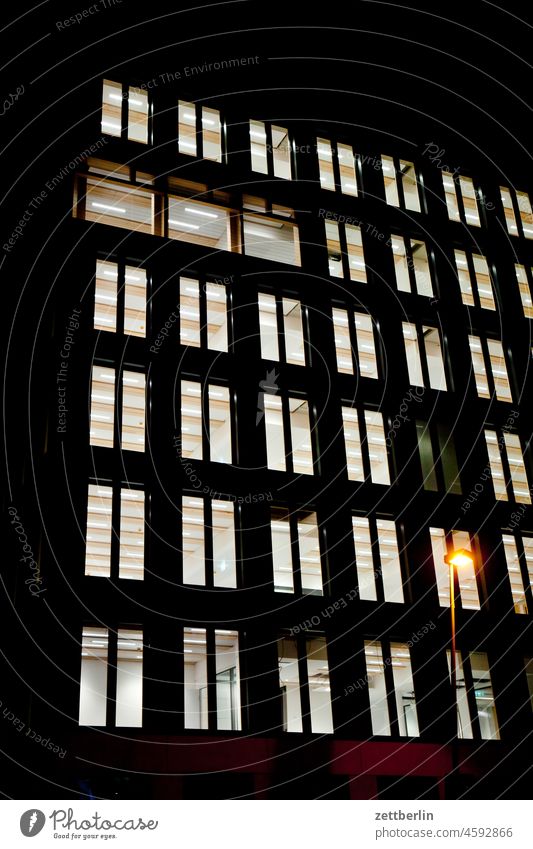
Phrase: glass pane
(448,459)
(442,573)
(469,201)
(484,283)
(272,239)
(281,152)
(258,147)
(435,363)
(333,244)
(391,571)
(111,108)
(224,555)
(450,195)
(403,284)
(366,577)
(294,334)
(528,663)
(193,541)
(377,691)
(275,441)
(496,468)
(187,128)
(404,690)
(526,214)
(508,210)
(135,301)
(515,458)
(131,557)
(325,164)
(195,677)
(268,327)
(466,574)
(352,442)
(366,350)
(137,115)
(515,574)
(200,223)
(129,704)
(102,406)
(319,686)
(189,312)
(527,542)
(119,205)
(302,454)
(410,186)
(486,709)
(421,268)
(463,276)
(525,290)
(105,296)
(211,134)
(425,451)
(478,365)
(377,449)
(191,419)
(217,320)
(343,345)
(133,410)
(228,681)
(356,258)
(281,551)
(93,677)
(412,353)
(98,539)
(389,180)
(347,169)
(464,723)
(289,683)
(499,370)
(219,424)
(309,548)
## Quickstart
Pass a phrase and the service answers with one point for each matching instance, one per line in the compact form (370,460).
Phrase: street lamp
(459,558)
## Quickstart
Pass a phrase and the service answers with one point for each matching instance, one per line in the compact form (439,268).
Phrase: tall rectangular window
(296,556)
(203,314)
(136,102)
(442,544)
(215,442)
(461,199)
(211,134)
(401,183)
(222,711)
(298,452)
(411,266)
(93,677)
(519,558)
(304,664)
(281,329)
(389,674)
(377,559)
(133,410)
(98,550)
(516,481)
(102,406)
(518,212)
(474,280)
(137,115)
(195,677)
(210,137)
(524,287)
(374,446)
(212,520)
(345,251)
(354,343)
(112,108)
(490,371)
(270,149)
(438,458)
(429,372)
(228,681)
(484,696)
(343,155)
(187,128)
(528,664)
(220,450)
(128,697)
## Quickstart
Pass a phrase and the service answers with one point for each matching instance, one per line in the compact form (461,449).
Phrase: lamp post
(459,558)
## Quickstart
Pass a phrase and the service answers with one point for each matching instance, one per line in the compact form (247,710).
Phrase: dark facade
(436,472)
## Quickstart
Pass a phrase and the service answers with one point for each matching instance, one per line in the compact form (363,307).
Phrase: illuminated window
(490,371)
(274,237)
(120,292)
(354,343)
(401,183)
(462,199)
(377,559)
(411,266)
(133,410)
(281,329)
(210,521)
(303,666)
(475,697)
(212,679)
(288,448)
(129,517)
(296,557)
(214,442)
(102,406)
(270,149)
(474,280)
(524,286)
(438,459)
(423,351)
(116,204)
(365,446)
(200,223)
(518,213)
(203,314)
(442,544)
(388,670)
(345,251)
(134,102)
(337,167)
(519,558)
(95,696)
(509,450)
(206,143)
